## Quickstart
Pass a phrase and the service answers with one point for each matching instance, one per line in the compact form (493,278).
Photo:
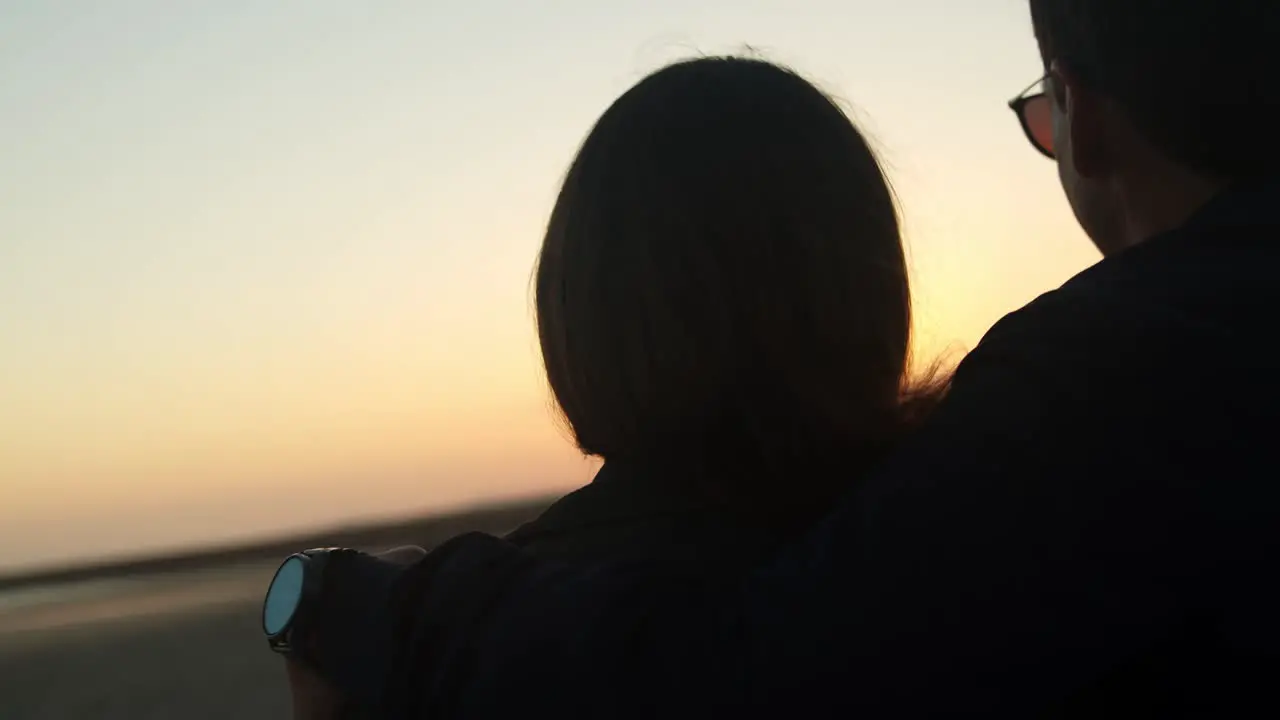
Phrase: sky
(265,266)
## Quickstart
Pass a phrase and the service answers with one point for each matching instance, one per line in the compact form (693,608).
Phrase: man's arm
(1031,540)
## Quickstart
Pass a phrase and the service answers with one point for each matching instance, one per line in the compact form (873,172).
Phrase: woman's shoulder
(632,512)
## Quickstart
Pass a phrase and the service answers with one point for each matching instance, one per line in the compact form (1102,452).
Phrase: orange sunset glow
(265,266)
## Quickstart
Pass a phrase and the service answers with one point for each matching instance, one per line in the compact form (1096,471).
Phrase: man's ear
(1088,118)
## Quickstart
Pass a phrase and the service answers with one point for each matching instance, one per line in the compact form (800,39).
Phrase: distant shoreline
(424,530)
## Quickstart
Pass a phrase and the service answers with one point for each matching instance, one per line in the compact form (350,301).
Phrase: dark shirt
(649,514)
(1089,526)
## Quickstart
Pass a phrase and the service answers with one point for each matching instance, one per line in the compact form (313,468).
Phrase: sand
(175,638)
(157,651)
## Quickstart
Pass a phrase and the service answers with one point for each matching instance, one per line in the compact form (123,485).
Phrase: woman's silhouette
(724,317)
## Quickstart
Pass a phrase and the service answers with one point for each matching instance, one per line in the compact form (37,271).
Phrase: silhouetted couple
(1082,521)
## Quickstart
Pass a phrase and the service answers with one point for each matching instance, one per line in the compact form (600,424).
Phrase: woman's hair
(723,282)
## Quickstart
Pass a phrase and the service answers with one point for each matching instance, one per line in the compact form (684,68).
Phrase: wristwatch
(335,611)
(291,607)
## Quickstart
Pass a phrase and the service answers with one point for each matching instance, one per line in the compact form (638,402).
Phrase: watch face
(283,596)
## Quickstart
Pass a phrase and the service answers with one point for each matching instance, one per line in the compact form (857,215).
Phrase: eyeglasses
(1035,111)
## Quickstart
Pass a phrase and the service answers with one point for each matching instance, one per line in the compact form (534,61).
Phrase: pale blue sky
(248,248)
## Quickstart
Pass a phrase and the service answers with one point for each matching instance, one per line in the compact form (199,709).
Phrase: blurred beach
(174,637)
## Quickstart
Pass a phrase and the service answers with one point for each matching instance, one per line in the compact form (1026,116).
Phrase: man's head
(1155,105)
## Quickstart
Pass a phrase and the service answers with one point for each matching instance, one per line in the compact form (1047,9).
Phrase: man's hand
(313,697)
